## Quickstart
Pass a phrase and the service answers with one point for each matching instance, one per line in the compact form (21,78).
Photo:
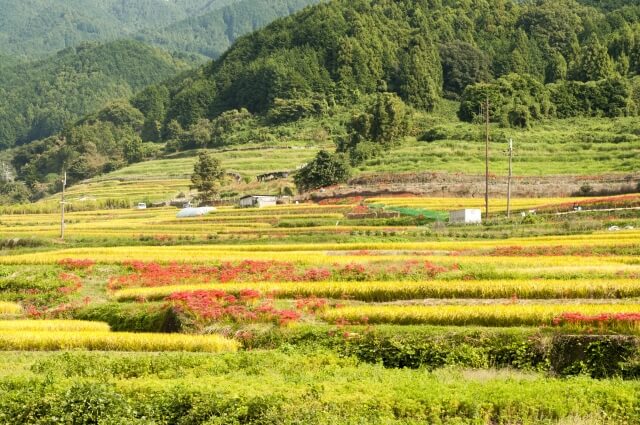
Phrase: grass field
(598,146)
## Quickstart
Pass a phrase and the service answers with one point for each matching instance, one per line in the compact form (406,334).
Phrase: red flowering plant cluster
(153,274)
(249,306)
(40,289)
(614,322)
(76,264)
(63,310)
(548,251)
(311,304)
(73,283)
(143,274)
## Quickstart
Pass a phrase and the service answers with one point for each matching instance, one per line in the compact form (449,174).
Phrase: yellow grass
(113,341)
(53,326)
(321,253)
(7,308)
(448,204)
(406,290)
(461,315)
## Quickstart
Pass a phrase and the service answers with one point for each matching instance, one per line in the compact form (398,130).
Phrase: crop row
(325,253)
(7,308)
(52,326)
(459,203)
(407,290)
(67,335)
(482,315)
(153,274)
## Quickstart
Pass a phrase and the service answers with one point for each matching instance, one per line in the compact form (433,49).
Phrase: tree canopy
(207,177)
(325,170)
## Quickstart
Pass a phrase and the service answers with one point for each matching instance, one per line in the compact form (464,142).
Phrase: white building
(467,216)
(258,201)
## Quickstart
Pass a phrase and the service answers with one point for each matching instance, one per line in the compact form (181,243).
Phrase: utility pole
(62,204)
(509,178)
(486,159)
(6,176)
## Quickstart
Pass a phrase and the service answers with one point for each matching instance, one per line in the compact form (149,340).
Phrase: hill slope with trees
(35,28)
(212,33)
(37,99)
(383,59)
(39,27)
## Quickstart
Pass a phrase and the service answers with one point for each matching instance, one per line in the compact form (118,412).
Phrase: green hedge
(290,387)
(133,317)
(432,347)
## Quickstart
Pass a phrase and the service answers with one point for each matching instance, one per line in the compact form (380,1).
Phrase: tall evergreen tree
(594,62)
(421,75)
(207,177)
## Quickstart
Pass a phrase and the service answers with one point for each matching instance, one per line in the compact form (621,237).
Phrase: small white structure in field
(258,201)
(141,206)
(467,216)
(194,212)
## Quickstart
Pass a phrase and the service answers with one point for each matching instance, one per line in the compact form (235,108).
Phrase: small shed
(258,201)
(194,212)
(466,216)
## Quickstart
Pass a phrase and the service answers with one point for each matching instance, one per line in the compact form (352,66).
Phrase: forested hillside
(422,51)
(535,61)
(38,98)
(211,34)
(35,28)
(40,27)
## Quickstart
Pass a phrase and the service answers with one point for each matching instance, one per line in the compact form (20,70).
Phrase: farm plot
(55,335)
(323,321)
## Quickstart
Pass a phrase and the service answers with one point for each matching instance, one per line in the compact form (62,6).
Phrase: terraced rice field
(451,204)
(163,179)
(301,305)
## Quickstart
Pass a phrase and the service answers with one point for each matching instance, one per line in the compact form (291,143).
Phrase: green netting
(416,212)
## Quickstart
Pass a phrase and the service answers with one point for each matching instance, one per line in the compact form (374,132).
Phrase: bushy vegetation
(196,389)
(325,170)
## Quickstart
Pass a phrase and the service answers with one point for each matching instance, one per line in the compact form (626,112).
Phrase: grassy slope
(162,179)
(577,146)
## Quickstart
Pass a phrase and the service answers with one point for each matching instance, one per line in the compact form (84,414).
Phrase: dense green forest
(535,60)
(37,99)
(211,34)
(40,27)
(35,28)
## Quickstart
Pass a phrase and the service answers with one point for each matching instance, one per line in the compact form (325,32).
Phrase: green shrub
(136,317)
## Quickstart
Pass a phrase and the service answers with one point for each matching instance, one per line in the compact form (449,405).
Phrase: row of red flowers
(207,306)
(144,274)
(599,319)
